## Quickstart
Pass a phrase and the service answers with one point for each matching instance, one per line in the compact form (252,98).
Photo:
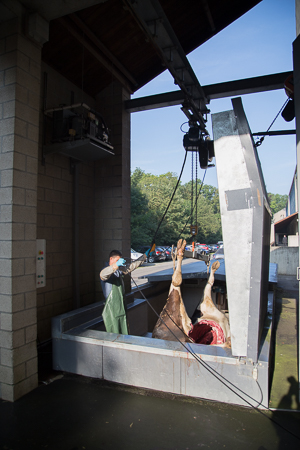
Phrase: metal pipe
(44,118)
(274,133)
(61,108)
(76,274)
(76,105)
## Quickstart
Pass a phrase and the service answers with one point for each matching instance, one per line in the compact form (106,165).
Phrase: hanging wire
(196,213)
(178,181)
(260,141)
(192,188)
(193,206)
(82,69)
(182,126)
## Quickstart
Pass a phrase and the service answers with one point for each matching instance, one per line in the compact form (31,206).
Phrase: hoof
(179,243)
(215,266)
(181,247)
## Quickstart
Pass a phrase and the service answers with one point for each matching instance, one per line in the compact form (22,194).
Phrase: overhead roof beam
(151,17)
(212,92)
(209,15)
(98,56)
(114,61)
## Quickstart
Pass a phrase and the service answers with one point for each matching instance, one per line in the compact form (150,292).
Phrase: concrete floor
(73,413)
(285,383)
(69,412)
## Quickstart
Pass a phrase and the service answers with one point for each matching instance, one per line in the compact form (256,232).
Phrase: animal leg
(213,327)
(177,276)
(173,254)
(207,300)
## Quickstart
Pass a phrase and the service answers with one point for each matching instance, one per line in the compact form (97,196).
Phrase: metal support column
(296,60)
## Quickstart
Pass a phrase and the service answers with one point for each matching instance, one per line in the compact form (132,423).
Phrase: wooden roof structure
(106,41)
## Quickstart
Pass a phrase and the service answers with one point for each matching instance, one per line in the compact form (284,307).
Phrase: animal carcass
(174,317)
(213,326)
(211,329)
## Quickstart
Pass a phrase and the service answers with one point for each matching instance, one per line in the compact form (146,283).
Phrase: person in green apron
(114,312)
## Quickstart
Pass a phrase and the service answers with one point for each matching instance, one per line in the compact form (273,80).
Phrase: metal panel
(193,270)
(246,223)
(83,149)
(198,270)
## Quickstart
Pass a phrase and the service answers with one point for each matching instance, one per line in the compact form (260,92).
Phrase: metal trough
(81,347)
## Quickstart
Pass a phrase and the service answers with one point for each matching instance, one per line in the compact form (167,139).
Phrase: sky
(258,43)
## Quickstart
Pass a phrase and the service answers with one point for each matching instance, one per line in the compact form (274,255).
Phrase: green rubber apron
(114,312)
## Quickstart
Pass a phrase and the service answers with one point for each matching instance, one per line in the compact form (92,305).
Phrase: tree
(150,197)
(277,202)
(143,222)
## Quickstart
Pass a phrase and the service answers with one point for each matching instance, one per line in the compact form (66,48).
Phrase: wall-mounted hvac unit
(78,132)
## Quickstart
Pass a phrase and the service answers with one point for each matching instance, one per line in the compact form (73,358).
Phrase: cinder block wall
(87,267)
(112,183)
(36,202)
(20,69)
(55,213)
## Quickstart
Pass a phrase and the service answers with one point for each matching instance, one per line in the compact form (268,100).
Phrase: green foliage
(150,196)
(277,202)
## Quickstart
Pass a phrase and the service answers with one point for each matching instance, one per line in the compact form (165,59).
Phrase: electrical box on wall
(40,263)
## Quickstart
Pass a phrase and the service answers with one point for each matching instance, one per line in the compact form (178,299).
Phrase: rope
(260,141)
(203,363)
(217,375)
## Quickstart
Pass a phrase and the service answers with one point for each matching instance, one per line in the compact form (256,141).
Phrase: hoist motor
(194,141)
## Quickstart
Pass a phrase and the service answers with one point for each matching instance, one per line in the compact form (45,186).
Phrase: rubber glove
(121,262)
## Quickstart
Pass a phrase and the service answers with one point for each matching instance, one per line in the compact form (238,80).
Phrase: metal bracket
(195,255)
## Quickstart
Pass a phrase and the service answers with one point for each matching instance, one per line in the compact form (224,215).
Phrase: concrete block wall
(55,213)
(87,234)
(20,64)
(112,183)
(36,202)
(287,259)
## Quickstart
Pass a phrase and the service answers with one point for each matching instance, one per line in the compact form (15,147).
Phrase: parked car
(203,247)
(135,255)
(219,254)
(143,248)
(213,247)
(157,255)
(168,252)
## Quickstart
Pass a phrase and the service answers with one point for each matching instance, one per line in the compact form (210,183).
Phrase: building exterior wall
(20,68)
(292,203)
(55,212)
(277,216)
